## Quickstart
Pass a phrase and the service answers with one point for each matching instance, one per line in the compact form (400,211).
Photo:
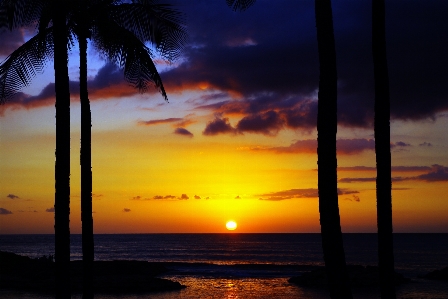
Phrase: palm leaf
(159,24)
(124,48)
(21,13)
(24,63)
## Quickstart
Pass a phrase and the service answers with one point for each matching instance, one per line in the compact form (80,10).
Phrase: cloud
(108,83)
(438,173)
(97,196)
(218,126)
(164,197)
(354,198)
(300,193)
(12,196)
(237,197)
(428,144)
(435,173)
(197,197)
(309,146)
(268,123)
(138,197)
(184,197)
(183,132)
(5,211)
(11,40)
(50,210)
(159,121)
(399,146)
(126,210)
(257,59)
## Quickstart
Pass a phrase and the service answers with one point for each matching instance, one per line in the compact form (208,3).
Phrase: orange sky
(209,155)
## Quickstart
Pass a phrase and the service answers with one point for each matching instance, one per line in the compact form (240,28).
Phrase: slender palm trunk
(382,150)
(86,174)
(326,154)
(62,167)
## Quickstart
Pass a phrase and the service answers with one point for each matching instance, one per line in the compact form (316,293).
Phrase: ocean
(240,266)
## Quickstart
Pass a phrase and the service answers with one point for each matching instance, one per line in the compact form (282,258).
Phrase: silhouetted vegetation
(382,151)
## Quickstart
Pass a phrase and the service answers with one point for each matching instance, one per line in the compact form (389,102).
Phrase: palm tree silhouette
(21,13)
(119,31)
(332,244)
(382,150)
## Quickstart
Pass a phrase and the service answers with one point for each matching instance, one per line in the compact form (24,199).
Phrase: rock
(124,276)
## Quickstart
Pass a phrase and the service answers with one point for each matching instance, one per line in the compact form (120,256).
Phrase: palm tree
(103,22)
(107,24)
(18,13)
(332,245)
(382,150)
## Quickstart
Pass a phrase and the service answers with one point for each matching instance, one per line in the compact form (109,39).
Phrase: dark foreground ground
(37,275)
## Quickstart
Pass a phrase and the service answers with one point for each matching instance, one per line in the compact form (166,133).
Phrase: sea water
(248,265)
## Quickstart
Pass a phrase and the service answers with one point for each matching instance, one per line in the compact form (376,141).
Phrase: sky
(237,139)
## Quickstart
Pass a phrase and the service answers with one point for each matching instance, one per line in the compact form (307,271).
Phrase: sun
(231,225)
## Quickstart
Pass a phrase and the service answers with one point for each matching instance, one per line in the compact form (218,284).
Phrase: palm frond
(124,48)
(159,24)
(21,13)
(24,63)
(240,4)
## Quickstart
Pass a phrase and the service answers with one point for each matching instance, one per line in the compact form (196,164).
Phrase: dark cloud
(435,173)
(97,196)
(344,146)
(126,210)
(183,132)
(159,121)
(354,198)
(11,40)
(268,123)
(438,173)
(164,197)
(50,210)
(357,180)
(108,83)
(5,211)
(237,197)
(416,46)
(138,197)
(184,197)
(197,197)
(428,144)
(410,168)
(264,65)
(218,126)
(12,196)
(399,144)
(300,193)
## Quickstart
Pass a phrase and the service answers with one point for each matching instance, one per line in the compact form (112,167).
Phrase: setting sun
(231,225)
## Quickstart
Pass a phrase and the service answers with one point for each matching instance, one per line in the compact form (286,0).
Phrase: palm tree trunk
(86,174)
(332,245)
(62,167)
(382,150)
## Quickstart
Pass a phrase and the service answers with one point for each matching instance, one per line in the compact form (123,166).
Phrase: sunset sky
(237,139)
